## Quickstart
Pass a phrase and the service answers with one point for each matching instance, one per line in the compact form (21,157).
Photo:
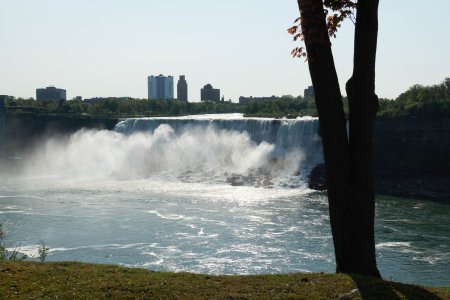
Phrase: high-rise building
(309,92)
(50,94)
(182,89)
(208,93)
(160,87)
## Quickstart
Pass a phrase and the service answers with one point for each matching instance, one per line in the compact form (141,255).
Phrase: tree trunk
(363,105)
(347,161)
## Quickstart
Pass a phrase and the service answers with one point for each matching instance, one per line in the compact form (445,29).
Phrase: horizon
(109,49)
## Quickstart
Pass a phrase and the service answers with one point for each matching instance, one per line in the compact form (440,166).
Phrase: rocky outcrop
(317,180)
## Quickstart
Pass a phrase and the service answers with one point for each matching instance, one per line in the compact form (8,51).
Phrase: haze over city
(108,48)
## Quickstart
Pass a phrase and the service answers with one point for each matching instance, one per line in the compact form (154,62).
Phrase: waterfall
(286,135)
(206,149)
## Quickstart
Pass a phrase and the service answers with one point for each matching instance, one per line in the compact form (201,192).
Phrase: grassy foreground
(27,280)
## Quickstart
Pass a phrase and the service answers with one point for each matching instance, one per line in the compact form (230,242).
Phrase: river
(210,194)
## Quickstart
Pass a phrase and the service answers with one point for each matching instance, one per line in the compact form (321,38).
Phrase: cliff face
(412,146)
(411,158)
(21,133)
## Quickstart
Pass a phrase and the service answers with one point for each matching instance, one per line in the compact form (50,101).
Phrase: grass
(67,280)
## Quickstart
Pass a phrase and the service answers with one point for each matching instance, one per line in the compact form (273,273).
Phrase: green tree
(347,157)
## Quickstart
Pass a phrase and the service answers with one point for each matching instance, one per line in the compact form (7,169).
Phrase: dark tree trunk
(363,105)
(347,159)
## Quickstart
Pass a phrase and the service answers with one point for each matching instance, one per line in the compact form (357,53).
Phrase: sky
(107,48)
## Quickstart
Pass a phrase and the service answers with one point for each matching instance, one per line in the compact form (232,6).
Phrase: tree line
(421,101)
(418,100)
(122,107)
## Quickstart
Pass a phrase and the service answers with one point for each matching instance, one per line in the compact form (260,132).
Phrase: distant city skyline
(105,48)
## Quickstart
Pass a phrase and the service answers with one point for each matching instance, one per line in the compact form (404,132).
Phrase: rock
(235,181)
(317,178)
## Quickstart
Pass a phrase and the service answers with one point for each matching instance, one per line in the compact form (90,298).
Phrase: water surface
(220,229)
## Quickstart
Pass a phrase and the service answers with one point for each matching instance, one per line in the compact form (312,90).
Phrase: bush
(15,254)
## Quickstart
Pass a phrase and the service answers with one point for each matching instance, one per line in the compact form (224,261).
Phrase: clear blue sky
(96,48)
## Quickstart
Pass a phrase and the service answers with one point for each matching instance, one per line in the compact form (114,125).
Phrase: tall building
(182,89)
(160,87)
(309,92)
(208,93)
(50,94)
